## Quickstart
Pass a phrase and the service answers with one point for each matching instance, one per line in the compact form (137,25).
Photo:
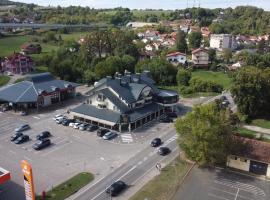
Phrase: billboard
(28,180)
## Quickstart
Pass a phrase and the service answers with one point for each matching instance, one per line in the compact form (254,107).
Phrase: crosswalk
(126,138)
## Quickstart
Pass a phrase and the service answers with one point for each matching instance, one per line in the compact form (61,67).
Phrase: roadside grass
(69,187)
(4,80)
(218,77)
(243,132)
(165,184)
(19,80)
(264,123)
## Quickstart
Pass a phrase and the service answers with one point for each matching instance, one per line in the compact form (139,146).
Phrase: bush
(199,85)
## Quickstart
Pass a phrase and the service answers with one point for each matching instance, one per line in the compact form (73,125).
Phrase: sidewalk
(257,129)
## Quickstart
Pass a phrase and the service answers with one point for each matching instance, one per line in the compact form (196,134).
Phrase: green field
(69,187)
(166,184)
(261,123)
(4,80)
(246,133)
(218,77)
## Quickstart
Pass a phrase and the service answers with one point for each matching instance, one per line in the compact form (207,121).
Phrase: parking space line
(224,191)
(236,194)
(57,148)
(217,197)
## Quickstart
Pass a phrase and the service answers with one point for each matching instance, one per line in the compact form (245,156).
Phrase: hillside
(7,2)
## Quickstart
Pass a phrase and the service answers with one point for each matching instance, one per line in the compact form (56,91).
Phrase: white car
(82,127)
(71,124)
(109,135)
(77,125)
(57,116)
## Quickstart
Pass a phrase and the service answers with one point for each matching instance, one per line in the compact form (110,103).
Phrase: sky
(153,4)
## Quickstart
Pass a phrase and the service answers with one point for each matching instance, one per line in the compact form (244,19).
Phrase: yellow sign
(28,180)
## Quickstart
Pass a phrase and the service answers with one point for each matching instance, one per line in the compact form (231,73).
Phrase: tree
(183,76)
(261,45)
(250,90)
(212,55)
(227,54)
(205,134)
(181,44)
(195,40)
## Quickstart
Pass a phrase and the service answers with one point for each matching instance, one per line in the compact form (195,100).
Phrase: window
(102,106)
(243,160)
(235,158)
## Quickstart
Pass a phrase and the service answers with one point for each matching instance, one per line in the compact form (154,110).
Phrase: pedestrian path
(257,129)
(126,138)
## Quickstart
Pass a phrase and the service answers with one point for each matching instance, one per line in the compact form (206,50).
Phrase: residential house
(31,48)
(235,66)
(39,90)
(18,63)
(200,57)
(125,102)
(222,41)
(177,57)
(136,25)
(251,156)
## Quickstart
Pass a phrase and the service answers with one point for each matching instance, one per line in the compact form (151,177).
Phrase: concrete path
(257,129)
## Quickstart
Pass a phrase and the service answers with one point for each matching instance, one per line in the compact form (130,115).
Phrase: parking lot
(218,184)
(71,152)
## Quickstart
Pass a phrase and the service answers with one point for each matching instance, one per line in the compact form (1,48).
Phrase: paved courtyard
(71,152)
(216,184)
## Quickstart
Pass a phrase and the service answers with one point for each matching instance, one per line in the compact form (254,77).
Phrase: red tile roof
(175,54)
(199,49)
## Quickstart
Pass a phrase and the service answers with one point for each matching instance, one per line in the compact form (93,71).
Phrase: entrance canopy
(4,175)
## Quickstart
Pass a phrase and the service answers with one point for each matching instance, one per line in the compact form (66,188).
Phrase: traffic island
(68,188)
(164,185)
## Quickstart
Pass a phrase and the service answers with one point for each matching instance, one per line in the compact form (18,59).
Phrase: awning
(4,175)
(93,119)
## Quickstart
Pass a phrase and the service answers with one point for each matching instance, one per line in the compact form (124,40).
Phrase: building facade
(36,91)
(200,57)
(222,41)
(125,102)
(177,57)
(18,63)
(253,156)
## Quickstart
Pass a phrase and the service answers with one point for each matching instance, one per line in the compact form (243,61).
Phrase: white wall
(238,164)
(47,100)
(180,58)
(268,171)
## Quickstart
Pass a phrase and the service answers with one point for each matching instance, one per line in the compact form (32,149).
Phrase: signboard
(28,180)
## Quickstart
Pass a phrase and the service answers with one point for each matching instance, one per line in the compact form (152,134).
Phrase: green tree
(227,55)
(183,76)
(195,40)
(212,55)
(205,134)
(181,44)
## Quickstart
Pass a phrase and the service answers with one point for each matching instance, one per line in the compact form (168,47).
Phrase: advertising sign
(28,180)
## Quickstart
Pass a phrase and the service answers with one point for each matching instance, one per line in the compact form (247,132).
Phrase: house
(250,156)
(222,41)
(205,32)
(146,54)
(36,91)
(177,57)
(31,48)
(235,66)
(125,102)
(136,25)
(18,63)
(200,57)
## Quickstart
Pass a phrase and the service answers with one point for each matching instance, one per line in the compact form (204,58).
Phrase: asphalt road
(131,171)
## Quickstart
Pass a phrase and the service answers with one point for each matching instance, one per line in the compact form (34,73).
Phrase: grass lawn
(246,133)
(218,77)
(4,80)
(74,36)
(69,187)
(261,123)
(166,184)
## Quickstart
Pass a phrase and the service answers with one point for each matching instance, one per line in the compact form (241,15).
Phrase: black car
(166,120)
(156,142)
(43,135)
(116,188)
(163,151)
(66,122)
(101,132)
(15,136)
(22,139)
(42,144)
(171,114)
(92,128)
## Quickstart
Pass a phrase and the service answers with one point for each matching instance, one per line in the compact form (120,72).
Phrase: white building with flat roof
(222,41)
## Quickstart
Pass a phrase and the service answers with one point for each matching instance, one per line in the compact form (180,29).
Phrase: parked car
(42,144)
(22,139)
(166,120)
(163,151)
(171,114)
(76,125)
(43,135)
(59,120)
(15,136)
(109,135)
(66,122)
(23,113)
(101,132)
(71,124)
(116,188)
(22,127)
(83,127)
(92,128)
(156,142)
(57,116)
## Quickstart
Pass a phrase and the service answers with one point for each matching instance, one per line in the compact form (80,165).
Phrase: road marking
(134,167)
(36,117)
(60,147)
(218,197)
(236,194)
(231,193)
(126,138)
(139,163)
(13,152)
(170,140)
(101,158)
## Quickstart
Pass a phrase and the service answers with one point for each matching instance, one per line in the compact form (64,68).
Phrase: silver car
(109,135)
(22,127)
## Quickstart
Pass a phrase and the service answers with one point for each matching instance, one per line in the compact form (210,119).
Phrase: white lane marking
(131,169)
(230,193)
(101,158)
(36,117)
(218,197)
(170,140)
(139,163)
(126,137)
(236,194)
(57,148)
(13,152)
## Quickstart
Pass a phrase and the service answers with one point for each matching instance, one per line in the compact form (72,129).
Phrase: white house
(200,57)
(252,156)
(222,41)
(177,57)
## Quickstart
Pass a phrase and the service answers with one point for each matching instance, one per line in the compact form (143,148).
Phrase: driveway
(219,184)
